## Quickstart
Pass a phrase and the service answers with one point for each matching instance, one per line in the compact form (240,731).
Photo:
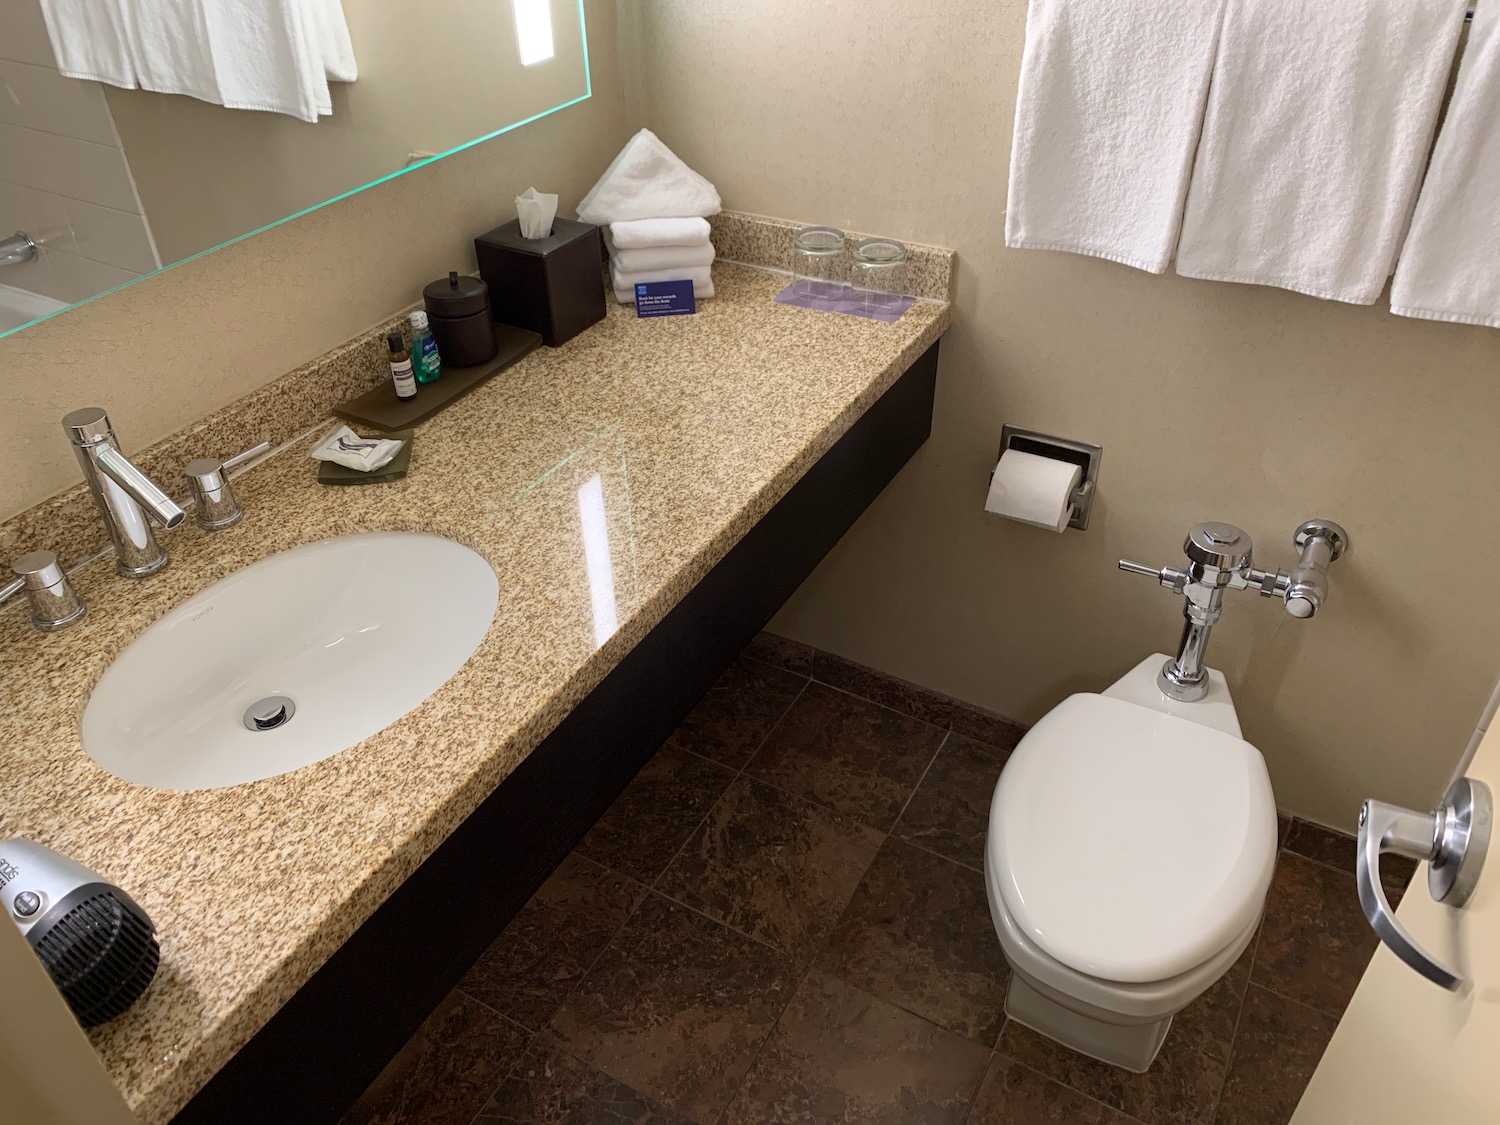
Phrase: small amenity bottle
(424,350)
(401,370)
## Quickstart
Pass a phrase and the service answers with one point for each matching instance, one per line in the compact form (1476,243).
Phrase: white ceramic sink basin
(290,660)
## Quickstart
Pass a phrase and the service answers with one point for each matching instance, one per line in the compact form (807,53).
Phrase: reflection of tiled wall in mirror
(64,178)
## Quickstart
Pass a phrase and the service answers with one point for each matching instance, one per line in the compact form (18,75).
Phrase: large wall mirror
(141,166)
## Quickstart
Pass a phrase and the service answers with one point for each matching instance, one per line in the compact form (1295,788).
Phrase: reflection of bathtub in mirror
(18,307)
(117,179)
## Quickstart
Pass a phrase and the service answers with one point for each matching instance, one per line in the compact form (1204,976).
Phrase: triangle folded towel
(648,181)
(638,234)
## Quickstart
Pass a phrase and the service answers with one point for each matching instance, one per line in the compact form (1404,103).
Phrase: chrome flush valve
(1220,558)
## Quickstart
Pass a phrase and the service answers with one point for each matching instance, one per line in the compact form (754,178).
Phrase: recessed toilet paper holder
(1080,453)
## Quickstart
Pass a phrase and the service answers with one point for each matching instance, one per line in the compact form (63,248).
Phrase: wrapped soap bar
(344,447)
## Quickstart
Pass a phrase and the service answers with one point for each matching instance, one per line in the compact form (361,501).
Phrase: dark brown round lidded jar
(458,310)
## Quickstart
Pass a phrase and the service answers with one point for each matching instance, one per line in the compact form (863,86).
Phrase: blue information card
(664,298)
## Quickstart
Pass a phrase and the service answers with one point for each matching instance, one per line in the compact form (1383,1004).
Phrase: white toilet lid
(1129,844)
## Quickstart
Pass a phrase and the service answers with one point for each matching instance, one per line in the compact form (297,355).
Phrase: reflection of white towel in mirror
(271,55)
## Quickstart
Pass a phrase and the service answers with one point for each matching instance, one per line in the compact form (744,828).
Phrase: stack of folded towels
(655,210)
(660,250)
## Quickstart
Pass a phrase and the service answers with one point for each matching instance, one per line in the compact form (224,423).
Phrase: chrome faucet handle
(54,604)
(218,507)
(1453,840)
(1168,577)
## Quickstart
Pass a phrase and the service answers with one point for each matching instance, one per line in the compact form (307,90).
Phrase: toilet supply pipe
(1220,558)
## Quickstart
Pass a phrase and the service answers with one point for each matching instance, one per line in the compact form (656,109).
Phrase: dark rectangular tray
(381,409)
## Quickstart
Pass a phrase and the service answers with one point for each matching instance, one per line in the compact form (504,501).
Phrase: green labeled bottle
(424,350)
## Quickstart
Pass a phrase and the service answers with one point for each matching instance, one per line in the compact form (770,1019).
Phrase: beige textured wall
(1211,401)
(432,77)
(174,347)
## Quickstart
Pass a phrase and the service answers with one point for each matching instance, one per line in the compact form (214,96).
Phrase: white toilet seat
(1110,1001)
(1131,846)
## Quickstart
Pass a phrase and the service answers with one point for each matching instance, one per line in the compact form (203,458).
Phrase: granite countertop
(696,426)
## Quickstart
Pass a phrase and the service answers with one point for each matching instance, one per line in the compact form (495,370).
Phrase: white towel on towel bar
(272,55)
(1107,117)
(1450,265)
(88,40)
(1318,127)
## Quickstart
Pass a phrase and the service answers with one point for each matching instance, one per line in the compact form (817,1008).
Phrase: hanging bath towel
(1450,265)
(1319,124)
(1107,117)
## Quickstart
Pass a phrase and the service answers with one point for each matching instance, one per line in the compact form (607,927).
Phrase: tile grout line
(1239,1014)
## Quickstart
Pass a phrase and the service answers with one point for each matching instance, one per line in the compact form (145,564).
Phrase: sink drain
(269,713)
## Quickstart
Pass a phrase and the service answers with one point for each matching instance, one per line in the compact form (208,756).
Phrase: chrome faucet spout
(125,496)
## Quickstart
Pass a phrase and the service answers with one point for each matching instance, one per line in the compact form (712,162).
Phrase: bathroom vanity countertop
(696,427)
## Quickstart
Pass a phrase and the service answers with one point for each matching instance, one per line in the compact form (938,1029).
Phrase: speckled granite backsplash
(758,240)
(696,426)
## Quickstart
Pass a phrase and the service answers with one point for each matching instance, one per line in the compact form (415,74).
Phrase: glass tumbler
(818,263)
(878,274)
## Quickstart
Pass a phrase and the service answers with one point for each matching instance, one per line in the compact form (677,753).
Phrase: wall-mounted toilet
(1132,839)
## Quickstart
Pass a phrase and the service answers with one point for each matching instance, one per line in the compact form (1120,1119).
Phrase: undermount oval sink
(290,660)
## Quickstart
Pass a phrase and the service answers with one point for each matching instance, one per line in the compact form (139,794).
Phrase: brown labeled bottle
(401,369)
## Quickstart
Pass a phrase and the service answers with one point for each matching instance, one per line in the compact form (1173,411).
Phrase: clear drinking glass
(878,274)
(818,264)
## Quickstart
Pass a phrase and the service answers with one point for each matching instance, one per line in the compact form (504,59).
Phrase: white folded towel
(1318,127)
(624,283)
(647,181)
(638,234)
(662,257)
(1450,265)
(1107,117)
(701,290)
(88,40)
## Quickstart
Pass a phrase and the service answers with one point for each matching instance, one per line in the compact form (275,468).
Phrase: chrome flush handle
(1453,840)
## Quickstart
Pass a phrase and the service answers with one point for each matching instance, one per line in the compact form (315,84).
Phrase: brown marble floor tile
(856,757)
(553,1087)
(1334,849)
(677,1006)
(908,698)
(446,1071)
(1181,1087)
(781,652)
(772,865)
(640,833)
(918,933)
(1314,942)
(733,719)
(1283,826)
(950,811)
(1016,1095)
(1207,1024)
(1275,1053)
(840,1054)
(528,970)
(986,726)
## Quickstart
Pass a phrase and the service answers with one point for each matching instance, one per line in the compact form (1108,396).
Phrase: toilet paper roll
(1032,489)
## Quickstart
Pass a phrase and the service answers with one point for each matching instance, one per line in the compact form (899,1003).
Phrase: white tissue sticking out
(344,447)
(1033,489)
(536,212)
